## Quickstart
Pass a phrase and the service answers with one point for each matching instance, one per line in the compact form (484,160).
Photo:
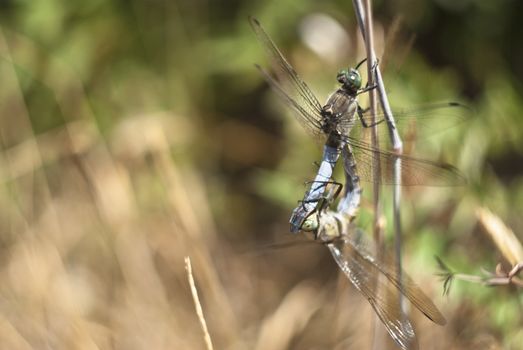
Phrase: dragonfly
(376,281)
(340,123)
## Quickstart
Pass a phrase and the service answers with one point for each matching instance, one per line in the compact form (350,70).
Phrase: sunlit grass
(129,141)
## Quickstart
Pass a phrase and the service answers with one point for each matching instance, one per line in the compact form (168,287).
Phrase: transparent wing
(383,293)
(288,82)
(365,279)
(307,120)
(359,262)
(414,171)
(422,120)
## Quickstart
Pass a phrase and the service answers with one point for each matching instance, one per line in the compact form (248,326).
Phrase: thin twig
(395,138)
(197,304)
(498,278)
(371,63)
(378,339)
(365,24)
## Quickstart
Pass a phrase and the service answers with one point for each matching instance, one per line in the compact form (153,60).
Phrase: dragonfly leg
(306,215)
(371,87)
(362,111)
(366,88)
(332,193)
(316,192)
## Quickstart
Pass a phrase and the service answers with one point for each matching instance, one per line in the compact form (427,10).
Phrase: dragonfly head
(350,79)
(310,224)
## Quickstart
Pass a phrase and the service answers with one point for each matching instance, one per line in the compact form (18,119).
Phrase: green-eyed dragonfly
(337,122)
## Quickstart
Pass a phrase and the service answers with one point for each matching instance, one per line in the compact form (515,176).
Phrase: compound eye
(354,79)
(342,76)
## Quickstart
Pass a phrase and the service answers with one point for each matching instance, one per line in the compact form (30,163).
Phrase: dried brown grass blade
(197,304)
(290,318)
(503,237)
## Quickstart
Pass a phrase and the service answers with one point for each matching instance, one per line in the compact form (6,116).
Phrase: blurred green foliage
(195,59)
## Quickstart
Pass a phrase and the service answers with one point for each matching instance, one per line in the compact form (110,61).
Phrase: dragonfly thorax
(330,119)
(339,113)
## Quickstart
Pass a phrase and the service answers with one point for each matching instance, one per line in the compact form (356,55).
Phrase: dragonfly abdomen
(350,203)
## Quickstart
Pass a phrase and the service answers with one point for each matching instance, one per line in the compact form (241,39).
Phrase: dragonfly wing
(424,120)
(304,116)
(382,295)
(289,83)
(414,171)
(307,120)
(361,260)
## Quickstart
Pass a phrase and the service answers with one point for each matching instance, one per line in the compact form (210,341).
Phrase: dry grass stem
(197,305)
(503,237)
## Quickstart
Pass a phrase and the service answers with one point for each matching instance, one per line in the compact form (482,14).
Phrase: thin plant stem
(397,144)
(364,17)
(379,334)
(197,305)
(371,63)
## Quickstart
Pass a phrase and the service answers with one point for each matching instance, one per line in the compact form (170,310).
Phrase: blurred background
(135,133)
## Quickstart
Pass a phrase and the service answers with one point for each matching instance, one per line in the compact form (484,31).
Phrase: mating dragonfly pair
(340,122)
